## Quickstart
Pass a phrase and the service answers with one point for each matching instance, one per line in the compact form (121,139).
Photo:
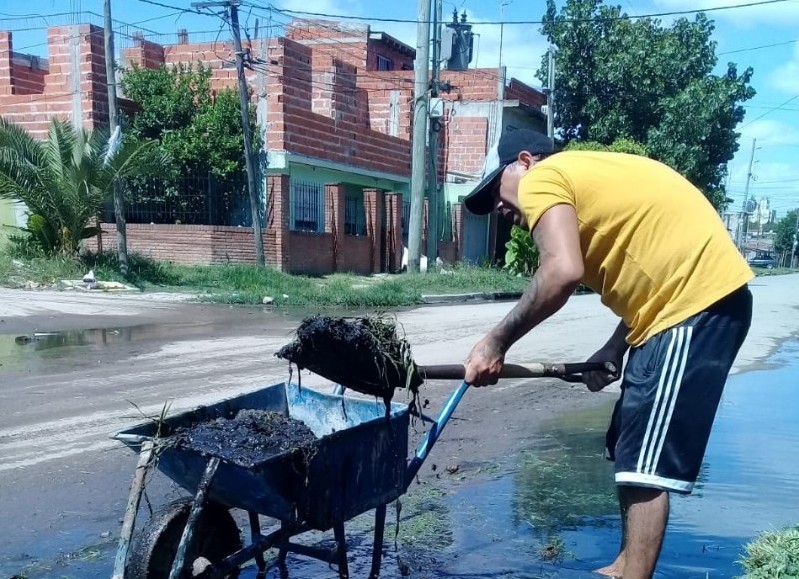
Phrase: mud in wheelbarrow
(360,464)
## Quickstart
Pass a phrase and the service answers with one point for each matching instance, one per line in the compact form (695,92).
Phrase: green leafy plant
(773,555)
(65,180)
(521,255)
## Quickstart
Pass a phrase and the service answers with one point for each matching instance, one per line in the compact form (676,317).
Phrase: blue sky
(765,37)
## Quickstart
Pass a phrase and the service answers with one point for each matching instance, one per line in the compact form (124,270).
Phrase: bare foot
(613,571)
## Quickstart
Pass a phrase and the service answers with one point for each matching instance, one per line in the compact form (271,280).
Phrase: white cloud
(780,13)
(770,132)
(786,76)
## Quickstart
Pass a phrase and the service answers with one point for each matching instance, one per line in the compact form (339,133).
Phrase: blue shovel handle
(432,435)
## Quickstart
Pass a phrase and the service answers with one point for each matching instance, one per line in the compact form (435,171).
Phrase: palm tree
(65,180)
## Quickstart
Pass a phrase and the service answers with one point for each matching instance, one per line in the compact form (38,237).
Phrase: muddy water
(561,495)
(553,514)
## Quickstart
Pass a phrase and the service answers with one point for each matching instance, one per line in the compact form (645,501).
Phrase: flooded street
(515,487)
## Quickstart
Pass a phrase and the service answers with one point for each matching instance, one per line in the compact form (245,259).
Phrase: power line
(522,22)
(751,48)
(768,112)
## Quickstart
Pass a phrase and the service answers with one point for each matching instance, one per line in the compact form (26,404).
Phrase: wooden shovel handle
(568,372)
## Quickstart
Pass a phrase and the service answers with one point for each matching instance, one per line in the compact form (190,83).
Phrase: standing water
(557,515)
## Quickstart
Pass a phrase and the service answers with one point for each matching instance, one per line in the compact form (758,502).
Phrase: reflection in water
(566,481)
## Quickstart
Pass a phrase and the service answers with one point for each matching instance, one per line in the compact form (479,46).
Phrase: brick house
(334,105)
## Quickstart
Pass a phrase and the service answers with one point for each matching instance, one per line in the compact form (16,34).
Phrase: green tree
(636,79)
(65,180)
(200,129)
(785,231)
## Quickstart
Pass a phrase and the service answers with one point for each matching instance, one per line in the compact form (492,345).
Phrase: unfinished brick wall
(466,144)
(75,66)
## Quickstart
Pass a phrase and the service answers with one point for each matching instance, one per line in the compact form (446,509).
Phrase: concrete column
(334,221)
(278,203)
(373,207)
(6,86)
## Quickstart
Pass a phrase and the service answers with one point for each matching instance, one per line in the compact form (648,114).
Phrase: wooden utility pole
(113,123)
(421,76)
(244,106)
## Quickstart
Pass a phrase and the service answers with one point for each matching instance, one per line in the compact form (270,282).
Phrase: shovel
(567,372)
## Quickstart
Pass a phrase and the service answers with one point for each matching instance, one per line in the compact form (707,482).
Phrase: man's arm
(557,237)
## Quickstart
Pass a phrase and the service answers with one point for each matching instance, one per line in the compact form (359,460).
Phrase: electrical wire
(522,22)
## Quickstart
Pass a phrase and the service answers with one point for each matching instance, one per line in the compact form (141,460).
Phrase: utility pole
(746,198)
(795,236)
(433,201)
(421,81)
(113,123)
(244,104)
(551,94)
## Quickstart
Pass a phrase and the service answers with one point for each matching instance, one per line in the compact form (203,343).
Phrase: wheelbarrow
(361,463)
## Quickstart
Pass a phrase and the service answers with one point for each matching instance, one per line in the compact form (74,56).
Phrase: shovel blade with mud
(366,355)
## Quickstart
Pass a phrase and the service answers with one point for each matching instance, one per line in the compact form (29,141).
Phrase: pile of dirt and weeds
(248,439)
(364,354)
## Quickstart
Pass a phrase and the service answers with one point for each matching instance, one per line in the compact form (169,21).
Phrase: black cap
(481,201)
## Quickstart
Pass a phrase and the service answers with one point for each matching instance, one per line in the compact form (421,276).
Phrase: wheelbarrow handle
(570,372)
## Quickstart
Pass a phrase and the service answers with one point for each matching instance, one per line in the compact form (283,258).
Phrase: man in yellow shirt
(651,245)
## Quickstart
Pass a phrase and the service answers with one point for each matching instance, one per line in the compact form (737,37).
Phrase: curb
(471,297)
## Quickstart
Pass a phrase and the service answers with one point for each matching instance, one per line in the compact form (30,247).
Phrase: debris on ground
(248,439)
(364,354)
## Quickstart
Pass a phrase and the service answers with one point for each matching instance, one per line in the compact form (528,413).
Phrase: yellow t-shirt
(653,246)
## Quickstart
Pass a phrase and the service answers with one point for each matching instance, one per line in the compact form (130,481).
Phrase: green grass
(762,271)
(773,555)
(244,284)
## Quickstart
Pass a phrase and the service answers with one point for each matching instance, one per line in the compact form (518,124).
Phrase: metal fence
(192,200)
(354,214)
(306,206)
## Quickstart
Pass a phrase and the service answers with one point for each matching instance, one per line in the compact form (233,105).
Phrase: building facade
(335,109)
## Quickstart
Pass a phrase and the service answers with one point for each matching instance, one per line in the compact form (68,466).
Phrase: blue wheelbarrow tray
(360,460)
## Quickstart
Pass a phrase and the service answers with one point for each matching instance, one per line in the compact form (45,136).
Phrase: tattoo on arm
(521,318)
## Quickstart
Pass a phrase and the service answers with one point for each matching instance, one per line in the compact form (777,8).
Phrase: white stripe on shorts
(665,399)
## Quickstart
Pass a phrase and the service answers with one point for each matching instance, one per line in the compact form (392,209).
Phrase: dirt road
(63,483)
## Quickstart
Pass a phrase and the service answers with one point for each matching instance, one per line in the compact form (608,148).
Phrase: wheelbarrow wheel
(154,546)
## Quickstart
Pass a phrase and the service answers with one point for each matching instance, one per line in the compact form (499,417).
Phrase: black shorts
(670,392)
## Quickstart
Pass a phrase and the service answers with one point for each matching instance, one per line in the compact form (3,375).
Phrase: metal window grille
(406,215)
(306,206)
(384,63)
(354,215)
(199,199)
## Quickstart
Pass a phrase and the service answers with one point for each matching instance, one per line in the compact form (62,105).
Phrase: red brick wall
(355,255)
(294,127)
(517,90)
(400,60)
(311,253)
(190,244)
(466,144)
(34,110)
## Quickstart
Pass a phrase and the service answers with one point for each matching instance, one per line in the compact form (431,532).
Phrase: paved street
(64,483)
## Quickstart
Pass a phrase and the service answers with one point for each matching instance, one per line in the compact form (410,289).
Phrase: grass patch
(773,555)
(245,284)
(424,521)
(762,271)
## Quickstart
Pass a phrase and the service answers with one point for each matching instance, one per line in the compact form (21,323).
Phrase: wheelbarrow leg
(255,533)
(377,547)
(129,522)
(196,509)
(341,551)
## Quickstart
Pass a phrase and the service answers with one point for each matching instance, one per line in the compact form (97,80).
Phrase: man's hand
(484,362)
(597,380)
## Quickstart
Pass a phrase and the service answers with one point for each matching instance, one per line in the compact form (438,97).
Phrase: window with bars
(306,206)
(384,63)
(354,214)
